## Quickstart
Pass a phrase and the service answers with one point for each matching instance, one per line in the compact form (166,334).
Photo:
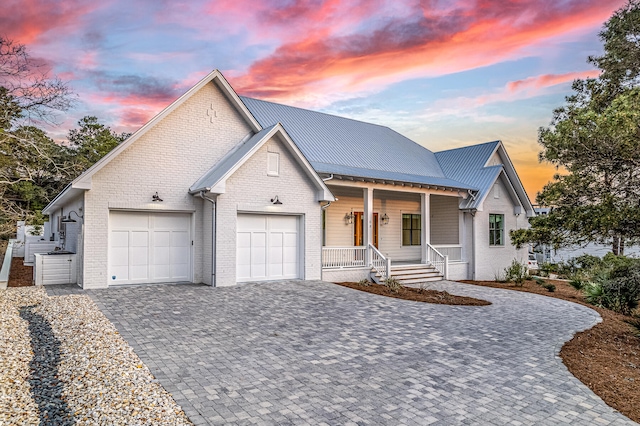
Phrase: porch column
(425,217)
(367,226)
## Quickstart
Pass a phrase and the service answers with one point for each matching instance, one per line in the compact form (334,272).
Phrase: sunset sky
(445,73)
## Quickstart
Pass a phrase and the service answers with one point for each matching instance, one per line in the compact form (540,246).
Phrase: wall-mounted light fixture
(67,218)
(348,218)
(275,201)
(156,197)
(384,219)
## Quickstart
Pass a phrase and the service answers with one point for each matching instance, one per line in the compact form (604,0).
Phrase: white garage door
(149,247)
(267,247)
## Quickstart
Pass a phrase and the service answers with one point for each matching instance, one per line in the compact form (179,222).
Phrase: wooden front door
(358,229)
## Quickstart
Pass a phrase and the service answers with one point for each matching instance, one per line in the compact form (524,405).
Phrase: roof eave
(401,183)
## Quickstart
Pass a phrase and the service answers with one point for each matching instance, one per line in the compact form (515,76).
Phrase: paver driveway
(311,353)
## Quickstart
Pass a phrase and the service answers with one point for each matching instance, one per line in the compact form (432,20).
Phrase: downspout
(328,178)
(473,243)
(214,227)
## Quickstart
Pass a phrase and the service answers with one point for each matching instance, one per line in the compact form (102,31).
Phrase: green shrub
(577,283)
(587,261)
(364,282)
(550,287)
(539,281)
(547,268)
(617,289)
(393,284)
(567,269)
(516,272)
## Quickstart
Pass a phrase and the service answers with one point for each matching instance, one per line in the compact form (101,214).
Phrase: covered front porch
(381,230)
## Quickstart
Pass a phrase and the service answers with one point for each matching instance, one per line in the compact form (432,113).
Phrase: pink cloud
(27,20)
(548,80)
(433,43)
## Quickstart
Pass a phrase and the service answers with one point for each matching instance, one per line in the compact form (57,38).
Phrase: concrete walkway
(302,352)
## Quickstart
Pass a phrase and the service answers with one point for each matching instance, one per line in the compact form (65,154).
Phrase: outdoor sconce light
(348,218)
(67,218)
(275,200)
(156,197)
(384,219)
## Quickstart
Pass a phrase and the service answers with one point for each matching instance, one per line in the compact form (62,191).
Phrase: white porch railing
(344,257)
(438,260)
(379,262)
(453,251)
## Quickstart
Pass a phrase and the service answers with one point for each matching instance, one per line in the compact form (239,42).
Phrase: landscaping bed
(606,357)
(20,275)
(417,294)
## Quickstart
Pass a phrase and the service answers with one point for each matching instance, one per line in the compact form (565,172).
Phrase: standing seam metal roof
(467,165)
(339,141)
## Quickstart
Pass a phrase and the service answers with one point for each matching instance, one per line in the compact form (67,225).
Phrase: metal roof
(467,165)
(383,176)
(228,162)
(333,143)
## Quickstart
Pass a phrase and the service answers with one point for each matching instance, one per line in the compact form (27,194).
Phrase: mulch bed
(606,357)
(20,275)
(418,295)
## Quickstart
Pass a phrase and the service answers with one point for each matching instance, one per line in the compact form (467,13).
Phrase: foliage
(392,284)
(516,272)
(364,282)
(540,281)
(33,167)
(617,288)
(577,283)
(587,261)
(550,287)
(594,138)
(499,276)
(91,141)
(635,323)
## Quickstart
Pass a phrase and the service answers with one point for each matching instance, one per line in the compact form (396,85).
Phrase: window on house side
(411,227)
(273,164)
(496,229)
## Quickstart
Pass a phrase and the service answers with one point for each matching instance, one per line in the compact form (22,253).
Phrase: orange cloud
(434,43)
(547,80)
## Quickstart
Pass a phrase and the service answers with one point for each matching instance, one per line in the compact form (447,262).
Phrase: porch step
(410,274)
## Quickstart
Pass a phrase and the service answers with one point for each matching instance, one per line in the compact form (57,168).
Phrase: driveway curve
(311,352)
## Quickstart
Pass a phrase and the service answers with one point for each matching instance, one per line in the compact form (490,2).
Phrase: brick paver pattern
(310,352)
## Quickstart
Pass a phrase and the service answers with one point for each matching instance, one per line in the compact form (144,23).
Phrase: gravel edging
(64,362)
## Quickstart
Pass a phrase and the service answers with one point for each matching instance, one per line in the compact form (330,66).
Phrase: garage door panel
(267,247)
(149,247)
(129,220)
(171,221)
(251,223)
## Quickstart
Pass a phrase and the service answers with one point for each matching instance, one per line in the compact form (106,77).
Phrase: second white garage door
(267,247)
(149,247)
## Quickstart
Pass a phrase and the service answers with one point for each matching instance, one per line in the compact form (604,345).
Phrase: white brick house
(220,189)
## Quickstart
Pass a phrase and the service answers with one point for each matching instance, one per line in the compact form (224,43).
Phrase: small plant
(577,283)
(392,284)
(364,282)
(499,277)
(549,287)
(540,281)
(422,288)
(516,272)
(635,323)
